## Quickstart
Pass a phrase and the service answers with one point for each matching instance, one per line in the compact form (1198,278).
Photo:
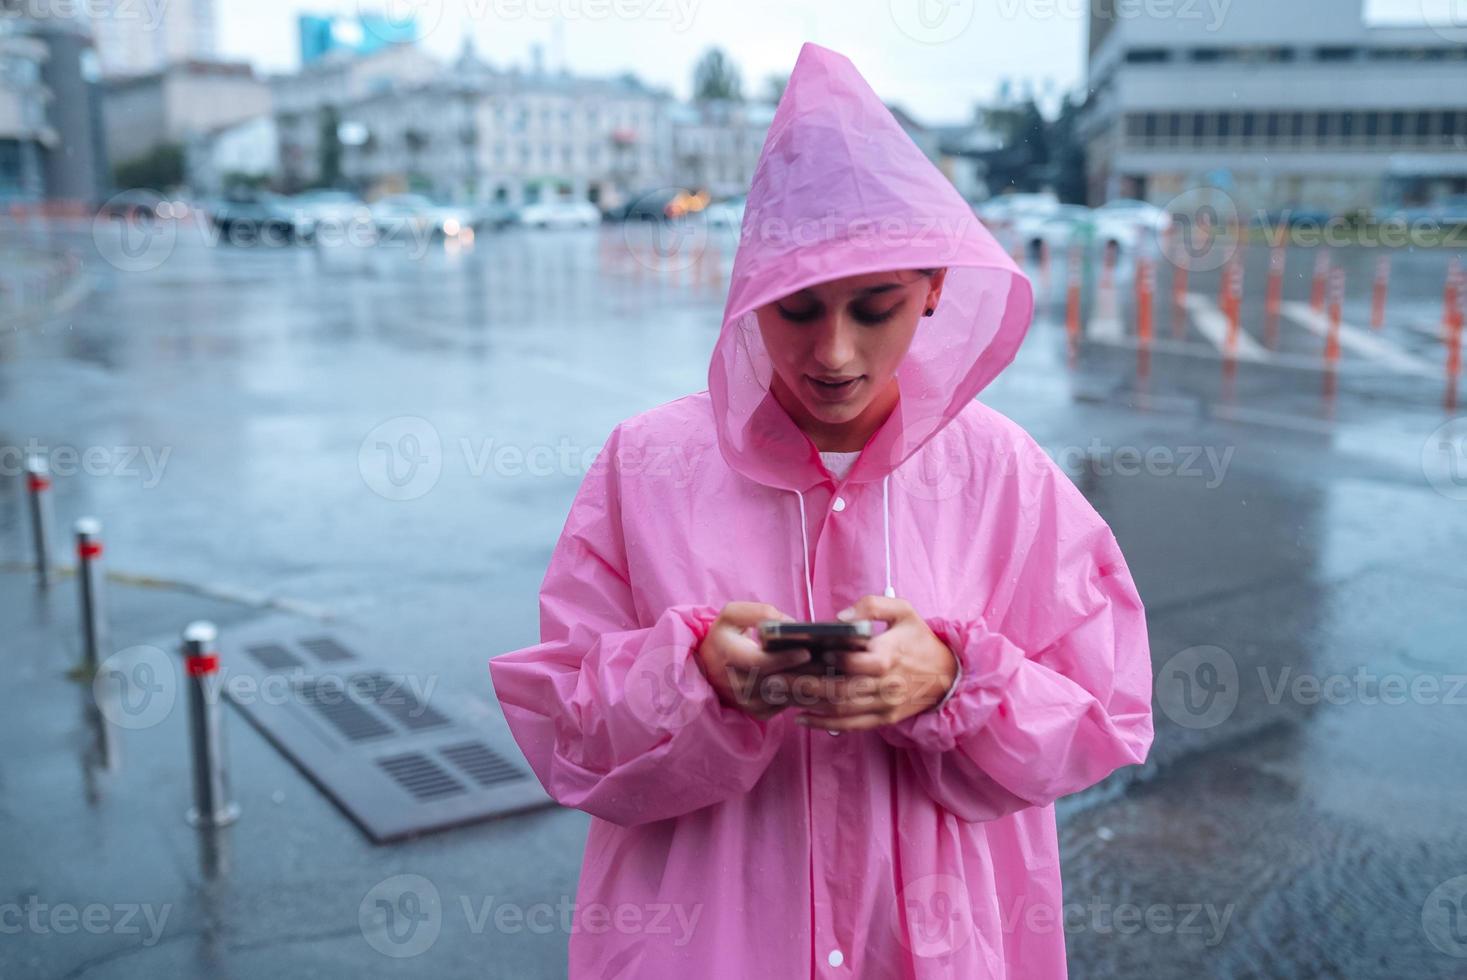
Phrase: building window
(1398,124)
(1148,56)
(1205,55)
(1372,125)
(1336,53)
(1198,126)
(1297,126)
(1273,127)
(1224,127)
(1347,126)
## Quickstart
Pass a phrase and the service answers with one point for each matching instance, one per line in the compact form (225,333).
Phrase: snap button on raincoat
(721,846)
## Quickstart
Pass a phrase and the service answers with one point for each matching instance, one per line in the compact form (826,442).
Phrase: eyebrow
(868,291)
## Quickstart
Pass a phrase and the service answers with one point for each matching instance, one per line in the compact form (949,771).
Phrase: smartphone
(826,641)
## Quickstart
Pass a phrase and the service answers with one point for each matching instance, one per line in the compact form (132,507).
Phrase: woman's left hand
(904,670)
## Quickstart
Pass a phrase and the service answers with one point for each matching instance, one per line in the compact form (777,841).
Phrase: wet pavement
(391,437)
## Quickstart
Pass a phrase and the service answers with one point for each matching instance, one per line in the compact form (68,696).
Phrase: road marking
(1105,326)
(1211,323)
(1362,342)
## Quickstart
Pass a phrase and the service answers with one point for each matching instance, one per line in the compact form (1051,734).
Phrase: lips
(833,390)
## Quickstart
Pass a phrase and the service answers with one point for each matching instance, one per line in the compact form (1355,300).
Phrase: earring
(929,311)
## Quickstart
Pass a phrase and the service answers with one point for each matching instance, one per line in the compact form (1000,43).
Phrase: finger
(843,724)
(877,607)
(756,658)
(744,615)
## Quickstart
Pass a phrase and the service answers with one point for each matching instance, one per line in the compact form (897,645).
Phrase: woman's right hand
(736,664)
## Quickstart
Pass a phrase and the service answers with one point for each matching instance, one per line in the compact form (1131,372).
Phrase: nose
(834,344)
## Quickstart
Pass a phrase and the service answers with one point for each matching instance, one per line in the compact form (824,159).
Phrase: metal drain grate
(326,649)
(397,700)
(481,763)
(273,656)
(397,759)
(335,703)
(420,775)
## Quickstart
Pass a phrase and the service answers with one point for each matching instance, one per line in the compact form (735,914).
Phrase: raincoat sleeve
(1056,694)
(614,715)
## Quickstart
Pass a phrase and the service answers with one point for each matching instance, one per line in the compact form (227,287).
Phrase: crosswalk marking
(1212,324)
(1362,342)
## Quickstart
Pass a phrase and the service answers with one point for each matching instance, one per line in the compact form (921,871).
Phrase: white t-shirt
(840,463)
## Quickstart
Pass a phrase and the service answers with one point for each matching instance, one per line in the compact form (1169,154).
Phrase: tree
(330,158)
(715,77)
(1068,150)
(160,168)
(774,87)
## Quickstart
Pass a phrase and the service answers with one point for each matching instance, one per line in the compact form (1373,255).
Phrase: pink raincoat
(721,846)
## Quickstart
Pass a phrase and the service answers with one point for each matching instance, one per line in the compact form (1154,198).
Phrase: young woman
(750,820)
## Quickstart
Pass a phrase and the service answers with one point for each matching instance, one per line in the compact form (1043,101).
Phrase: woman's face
(836,345)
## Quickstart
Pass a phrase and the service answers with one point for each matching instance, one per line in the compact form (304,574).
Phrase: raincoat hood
(839,190)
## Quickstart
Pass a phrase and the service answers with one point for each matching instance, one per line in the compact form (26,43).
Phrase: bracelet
(953,689)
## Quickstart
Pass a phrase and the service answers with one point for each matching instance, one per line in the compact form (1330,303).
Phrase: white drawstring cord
(886,533)
(805,556)
(890,592)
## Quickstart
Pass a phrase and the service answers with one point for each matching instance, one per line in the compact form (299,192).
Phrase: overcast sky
(934,57)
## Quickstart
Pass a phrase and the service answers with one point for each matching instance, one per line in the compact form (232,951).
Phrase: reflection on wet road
(392,436)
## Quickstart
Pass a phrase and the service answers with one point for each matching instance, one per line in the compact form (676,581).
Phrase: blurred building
(400,120)
(50,118)
(139,38)
(247,151)
(1298,104)
(181,101)
(321,34)
(25,132)
(311,101)
(716,143)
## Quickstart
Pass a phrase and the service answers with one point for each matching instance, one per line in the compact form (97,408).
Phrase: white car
(1130,223)
(335,210)
(401,215)
(560,214)
(1055,229)
(1006,209)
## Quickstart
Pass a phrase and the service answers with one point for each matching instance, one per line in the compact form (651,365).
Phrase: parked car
(336,210)
(1005,210)
(1128,223)
(398,216)
(496,215)
(560,213)
(1056,228)
(254,217)
(661,204)
(136,206)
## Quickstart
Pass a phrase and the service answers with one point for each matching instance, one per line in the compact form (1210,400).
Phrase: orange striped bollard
(1145,294)
(1277,261)
(1233,284)
(1452,300)
(1321,281)
(1072,300)
(1378,294)
(1336,307)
